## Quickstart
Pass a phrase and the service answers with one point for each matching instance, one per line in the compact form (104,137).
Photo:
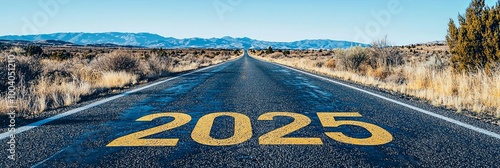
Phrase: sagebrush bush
(384,55)
(155,66)
(85,73)
(27,69)
(331,64)
(117,61)
(34,50)
(51,93)
(352,58)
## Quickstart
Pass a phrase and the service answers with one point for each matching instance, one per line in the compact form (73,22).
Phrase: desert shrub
(34,50)
(50,93)
(276,55)
(475,43)
(286,52)
(155,66)
(59,55)
(88,55)
(269,50)
(352,58)
(117,61)
(27,69)
(437,63)
(23,103)
(85,73)
(331,64)
(160,52)
(380,73)
(203,61)
(4,46)
(17,51)
(318,64)
(397,76)
(384,55)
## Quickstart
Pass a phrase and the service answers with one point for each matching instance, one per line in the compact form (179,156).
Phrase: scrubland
(50,77)
(420,71)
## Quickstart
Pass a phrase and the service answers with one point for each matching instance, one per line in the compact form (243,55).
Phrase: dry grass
(53,95)
(114,79)
(48,83)
(428,79)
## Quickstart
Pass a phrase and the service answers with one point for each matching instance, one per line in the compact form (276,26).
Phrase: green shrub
(34,50)
(475,43)
(269,50)
(384,55)
(286,52)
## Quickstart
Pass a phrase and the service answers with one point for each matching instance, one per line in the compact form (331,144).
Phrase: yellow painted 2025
(243,130)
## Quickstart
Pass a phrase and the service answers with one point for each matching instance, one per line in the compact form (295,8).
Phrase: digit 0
(242,130)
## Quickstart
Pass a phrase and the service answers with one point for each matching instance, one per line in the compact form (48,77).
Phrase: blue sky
(403,21)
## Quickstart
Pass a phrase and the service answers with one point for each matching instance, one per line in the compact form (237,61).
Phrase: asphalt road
(226,116)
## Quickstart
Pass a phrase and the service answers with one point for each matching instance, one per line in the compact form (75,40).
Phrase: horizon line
(179,38)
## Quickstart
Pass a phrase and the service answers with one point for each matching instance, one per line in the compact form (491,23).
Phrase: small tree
(474,44)
(286,52)
(34,50)
(269,50)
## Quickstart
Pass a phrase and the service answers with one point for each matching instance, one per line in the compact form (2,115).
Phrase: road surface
(250,113)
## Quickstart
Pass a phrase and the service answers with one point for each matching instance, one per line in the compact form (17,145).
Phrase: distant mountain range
(156,41)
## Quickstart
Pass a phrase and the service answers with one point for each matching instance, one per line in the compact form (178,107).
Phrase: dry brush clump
(351,59)
(430,78)
(49,82)
(117,61)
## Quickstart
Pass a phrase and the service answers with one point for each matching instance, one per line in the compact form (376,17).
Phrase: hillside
(157,41)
